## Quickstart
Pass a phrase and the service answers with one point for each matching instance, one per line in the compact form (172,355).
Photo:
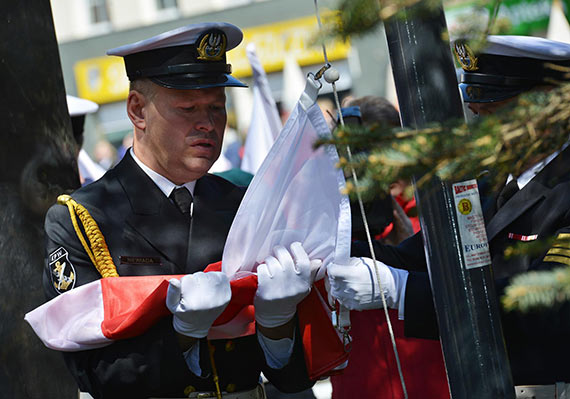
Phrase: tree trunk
(38,162)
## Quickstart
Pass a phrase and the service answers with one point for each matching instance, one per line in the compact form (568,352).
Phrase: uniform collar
(557,171)
(531,172)
(165,185)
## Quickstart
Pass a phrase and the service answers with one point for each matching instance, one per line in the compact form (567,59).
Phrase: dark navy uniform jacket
(147,235)
(538,343)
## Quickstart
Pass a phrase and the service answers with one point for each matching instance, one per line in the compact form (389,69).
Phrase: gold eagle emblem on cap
(212,47)
(465,57)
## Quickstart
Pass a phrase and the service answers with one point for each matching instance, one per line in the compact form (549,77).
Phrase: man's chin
(199,167)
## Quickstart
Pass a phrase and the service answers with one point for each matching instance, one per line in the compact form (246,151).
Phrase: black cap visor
(478,93)
(194,81)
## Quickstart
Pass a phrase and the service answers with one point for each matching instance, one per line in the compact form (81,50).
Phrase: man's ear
(136,103)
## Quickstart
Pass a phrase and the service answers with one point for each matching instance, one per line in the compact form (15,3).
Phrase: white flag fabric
(294,196)
(293,83)
(558,27)
(61,326)
(242,100)
(221,165)
(88,168)
(265,123)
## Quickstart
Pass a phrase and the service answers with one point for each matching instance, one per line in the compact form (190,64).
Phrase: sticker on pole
(474,244)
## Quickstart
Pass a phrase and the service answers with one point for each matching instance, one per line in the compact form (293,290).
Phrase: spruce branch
(538,290)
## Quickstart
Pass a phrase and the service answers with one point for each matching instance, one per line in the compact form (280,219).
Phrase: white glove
(196,301)
(356,285)
(282,282)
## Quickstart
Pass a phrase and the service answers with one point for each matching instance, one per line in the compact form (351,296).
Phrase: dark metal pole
(423,68)
(455,243)
(37,162)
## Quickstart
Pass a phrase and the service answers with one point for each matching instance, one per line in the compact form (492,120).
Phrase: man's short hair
(143,86)
(375,110)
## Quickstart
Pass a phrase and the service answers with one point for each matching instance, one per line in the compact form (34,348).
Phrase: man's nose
(205,121)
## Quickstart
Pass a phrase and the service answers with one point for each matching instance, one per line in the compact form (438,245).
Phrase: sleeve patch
(62,271)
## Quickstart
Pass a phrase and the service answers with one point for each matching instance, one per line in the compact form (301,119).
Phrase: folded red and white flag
(97,314)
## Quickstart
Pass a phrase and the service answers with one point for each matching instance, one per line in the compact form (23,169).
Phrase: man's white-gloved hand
(196,301)
(356,285)
(282,282)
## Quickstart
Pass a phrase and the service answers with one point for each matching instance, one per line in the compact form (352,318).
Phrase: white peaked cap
(79,106)
(527,47)
(188,34)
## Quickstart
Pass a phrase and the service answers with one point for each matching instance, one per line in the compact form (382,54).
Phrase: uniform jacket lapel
(516,206)
(538,188)
(153,216)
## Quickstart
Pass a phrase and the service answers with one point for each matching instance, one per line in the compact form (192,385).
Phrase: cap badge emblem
(466,57)
(212,46)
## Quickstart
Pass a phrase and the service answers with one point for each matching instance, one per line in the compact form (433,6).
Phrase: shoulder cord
(97,250)
(362,213)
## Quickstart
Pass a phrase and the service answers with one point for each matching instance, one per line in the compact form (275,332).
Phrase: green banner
(526,17)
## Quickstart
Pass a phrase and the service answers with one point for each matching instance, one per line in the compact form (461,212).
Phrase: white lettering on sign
(475,247)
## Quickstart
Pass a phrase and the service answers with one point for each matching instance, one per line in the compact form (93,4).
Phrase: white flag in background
(265,122)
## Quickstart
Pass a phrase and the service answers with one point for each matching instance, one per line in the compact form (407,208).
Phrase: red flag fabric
(130,312)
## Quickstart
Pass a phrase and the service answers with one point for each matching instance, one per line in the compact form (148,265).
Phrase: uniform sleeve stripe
(563,236)
(559,251)
(557,259)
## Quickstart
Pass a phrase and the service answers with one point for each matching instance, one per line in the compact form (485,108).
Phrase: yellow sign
(465,206)
(102,79)
(273,42)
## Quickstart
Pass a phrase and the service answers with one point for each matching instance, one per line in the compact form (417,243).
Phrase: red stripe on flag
(243,292)
(324,349)
(133,304)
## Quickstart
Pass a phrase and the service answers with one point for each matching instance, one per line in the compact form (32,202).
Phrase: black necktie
(507,192)
(182,199)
